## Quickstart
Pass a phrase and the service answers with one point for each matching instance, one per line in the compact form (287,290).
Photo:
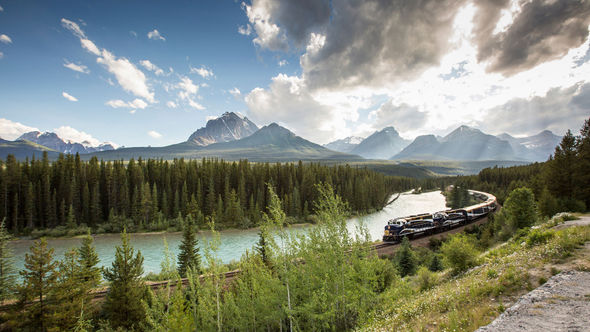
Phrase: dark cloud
(301,17)
(560,109)
(543,30)
(374,42)
(402,117)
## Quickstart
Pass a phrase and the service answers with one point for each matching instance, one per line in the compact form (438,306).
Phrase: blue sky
(151,72)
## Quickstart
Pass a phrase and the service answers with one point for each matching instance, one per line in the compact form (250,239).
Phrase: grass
(476,297)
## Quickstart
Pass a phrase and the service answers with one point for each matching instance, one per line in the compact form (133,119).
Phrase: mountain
(344,145)
(54,142)
(464,143)
(381,144)
(226,128)
(534,148)
(23,149)
(270,143)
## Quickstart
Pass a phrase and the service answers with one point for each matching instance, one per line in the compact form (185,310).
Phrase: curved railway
(474,214)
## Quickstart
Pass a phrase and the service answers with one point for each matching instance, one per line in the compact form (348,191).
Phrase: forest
(69,195)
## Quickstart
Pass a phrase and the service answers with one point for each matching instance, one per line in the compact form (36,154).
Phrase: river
(233,242)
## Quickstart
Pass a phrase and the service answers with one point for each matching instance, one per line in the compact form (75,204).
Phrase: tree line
(154,194)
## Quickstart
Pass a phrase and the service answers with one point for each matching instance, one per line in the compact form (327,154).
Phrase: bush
(425,278)
(459,253)
(538,236)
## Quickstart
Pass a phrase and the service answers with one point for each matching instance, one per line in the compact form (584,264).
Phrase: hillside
(23,149)
(381,145)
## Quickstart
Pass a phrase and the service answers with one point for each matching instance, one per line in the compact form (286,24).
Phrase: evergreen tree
(88,259)
(520,208)
(262,247)
(122,305)
(39,279)
(189,250)
(406,259)
(7,276)
(435,264)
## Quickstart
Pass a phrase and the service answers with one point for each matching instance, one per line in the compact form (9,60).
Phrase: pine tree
(88,259)
(123,305)
(435,264)
(262,247)
(406,259)
(189,250)
(7,276)
(39,279)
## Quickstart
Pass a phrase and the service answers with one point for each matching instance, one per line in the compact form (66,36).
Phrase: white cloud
(203,72)
(88,45)
(68,133)
(11,130)
(147,64)
(73,27)
(195,105)
(154,134)
(75,67)
(155,35)
(283,63)
(133,33)
(5,39)
(245,30)
(130,78)
(269,35)
(118,103)
(1,9)
(235,92)
(69,96)
(1,55)
(187,88)
(210,117)
(171,104)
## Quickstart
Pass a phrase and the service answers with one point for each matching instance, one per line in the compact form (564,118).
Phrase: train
(431,223)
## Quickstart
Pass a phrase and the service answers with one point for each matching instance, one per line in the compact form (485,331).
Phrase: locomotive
(430,223)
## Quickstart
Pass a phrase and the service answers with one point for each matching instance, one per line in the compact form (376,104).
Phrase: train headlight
(386,233)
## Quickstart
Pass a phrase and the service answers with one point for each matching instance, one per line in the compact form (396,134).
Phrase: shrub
(459,253)
(538,236)
(425,278)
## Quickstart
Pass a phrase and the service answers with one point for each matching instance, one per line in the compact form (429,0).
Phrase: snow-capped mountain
(345,145)
(54,142)
(226,128)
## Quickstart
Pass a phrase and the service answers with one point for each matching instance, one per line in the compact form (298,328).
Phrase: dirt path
(561,304)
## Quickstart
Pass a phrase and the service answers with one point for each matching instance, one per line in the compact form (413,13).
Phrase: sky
(140,73)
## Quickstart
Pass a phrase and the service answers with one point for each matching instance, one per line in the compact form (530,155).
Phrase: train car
(424,224)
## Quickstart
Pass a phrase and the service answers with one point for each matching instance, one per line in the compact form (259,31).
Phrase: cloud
(235,92)
(75,67)
(288,101)
(129,77)
(133,33)
(187,87)
(540,32)
(283,63)
(1,9)
(147,64)
(268,34)
(10,130)
(154,134)
(69,96)
(402,117)
(171,104)
(155,35)
(73,27)
(5,39)
(90,46)
(68,133)
(1,55)
(118,103)
(195,105)
(203,72)
(558,110)
(246,31)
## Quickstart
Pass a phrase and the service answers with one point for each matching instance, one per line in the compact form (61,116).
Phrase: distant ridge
(344,145)
(381,144)
(56,143)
